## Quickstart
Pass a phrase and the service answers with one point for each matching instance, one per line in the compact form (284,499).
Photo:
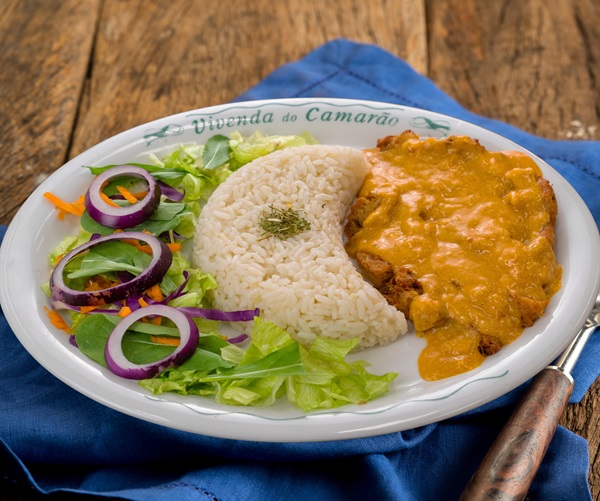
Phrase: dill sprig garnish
(283,223)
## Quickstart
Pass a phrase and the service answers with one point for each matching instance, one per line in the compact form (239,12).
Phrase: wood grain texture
(151,62)
(533,64)
(45,48)
(509,467)
(73,73)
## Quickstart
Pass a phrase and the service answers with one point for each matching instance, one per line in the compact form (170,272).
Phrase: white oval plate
(411,401)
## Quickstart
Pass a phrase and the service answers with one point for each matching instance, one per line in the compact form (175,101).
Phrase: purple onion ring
(162,258)
(122,217)
(121,366)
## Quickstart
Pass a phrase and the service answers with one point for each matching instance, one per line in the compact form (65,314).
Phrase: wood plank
(151,62)
(536,65)
(43,62)
(533,64)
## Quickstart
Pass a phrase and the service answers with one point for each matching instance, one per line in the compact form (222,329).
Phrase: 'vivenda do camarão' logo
(202,123)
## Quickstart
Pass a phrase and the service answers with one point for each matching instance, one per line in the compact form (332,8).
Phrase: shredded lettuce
(271,364)
(274,365)
(67,244)
(246,149)
(331,381)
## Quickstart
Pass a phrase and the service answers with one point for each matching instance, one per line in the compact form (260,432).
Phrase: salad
(125,292)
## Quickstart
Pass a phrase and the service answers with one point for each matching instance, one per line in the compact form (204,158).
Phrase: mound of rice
(306,284)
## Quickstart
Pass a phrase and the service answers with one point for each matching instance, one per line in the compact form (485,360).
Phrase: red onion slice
(162,258)
(121,366)
(224,316)
(121,217)
(171,193)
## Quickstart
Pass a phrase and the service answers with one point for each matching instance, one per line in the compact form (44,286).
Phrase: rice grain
(306,284)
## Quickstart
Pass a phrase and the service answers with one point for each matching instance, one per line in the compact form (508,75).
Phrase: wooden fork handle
(508,468)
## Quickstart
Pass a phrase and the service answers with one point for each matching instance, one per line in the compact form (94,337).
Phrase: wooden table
(73,73)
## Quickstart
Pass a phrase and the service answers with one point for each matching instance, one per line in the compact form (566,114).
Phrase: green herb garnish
(283,223)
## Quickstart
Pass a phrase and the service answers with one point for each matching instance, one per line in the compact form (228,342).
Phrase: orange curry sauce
(476,228)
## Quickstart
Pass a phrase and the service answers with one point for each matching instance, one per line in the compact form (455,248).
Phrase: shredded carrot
(63,207)
(139,246)
(123,312)
(99,283)
(172,341)
(140,194)
(157,320)
(155,293)
(79,204)
(142,303)
(146,249)
(175,247)
(108,200)
(127,195)
(87,309)
(131,241)
(57,321)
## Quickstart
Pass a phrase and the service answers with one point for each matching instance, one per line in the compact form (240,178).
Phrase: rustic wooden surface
(74,73)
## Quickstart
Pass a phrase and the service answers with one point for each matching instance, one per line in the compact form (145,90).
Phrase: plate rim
(348,425)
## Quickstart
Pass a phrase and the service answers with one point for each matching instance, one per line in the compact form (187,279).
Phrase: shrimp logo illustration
(440,127)
(167,130)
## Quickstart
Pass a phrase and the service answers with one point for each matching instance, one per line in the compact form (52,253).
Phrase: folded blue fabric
(53,439)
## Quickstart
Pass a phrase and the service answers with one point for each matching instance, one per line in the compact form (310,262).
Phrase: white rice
(306,284)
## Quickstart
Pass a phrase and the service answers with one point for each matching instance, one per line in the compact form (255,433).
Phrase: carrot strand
(172,341)
(104,197)
(127,195)
(87,309)
(63,207)
(123,312)
(56,320)
(155,293)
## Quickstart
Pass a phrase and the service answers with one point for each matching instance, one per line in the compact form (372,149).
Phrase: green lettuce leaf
(273,365)
(216,151)
(68,244)
(331,381)
(168,216)
(246,149)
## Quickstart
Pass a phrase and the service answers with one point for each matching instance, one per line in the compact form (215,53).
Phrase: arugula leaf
(139,348)
(283,362)
(93,332)
(216,151)
(109,257)
(91,226)
(170,175)
(167,211)
(167,216)
(91,335)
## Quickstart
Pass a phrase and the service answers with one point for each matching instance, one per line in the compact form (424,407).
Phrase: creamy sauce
(469,223)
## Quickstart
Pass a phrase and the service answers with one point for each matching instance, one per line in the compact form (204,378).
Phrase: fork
(510,465)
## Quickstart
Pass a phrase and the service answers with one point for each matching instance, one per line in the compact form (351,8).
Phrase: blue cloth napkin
(53,439)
